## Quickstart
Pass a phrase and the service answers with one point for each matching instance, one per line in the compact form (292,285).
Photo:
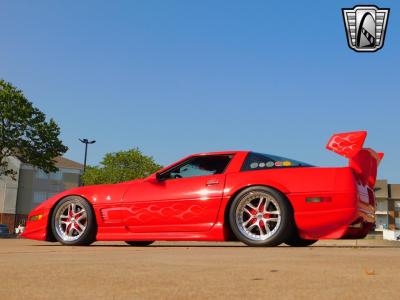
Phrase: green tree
(25,133)
(121,166)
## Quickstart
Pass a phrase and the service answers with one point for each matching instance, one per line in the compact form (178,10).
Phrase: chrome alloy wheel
(71,221)
(258,216)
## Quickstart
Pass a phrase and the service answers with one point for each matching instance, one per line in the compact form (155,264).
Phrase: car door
(185,197)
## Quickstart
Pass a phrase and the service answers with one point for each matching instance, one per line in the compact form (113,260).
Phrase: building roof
(62,162)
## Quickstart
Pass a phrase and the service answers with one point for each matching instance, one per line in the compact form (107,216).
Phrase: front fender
(97,195)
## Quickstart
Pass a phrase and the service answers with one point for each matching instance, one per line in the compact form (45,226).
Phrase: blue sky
(178,77)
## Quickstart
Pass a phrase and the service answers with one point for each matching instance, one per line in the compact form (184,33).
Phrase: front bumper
(37,230)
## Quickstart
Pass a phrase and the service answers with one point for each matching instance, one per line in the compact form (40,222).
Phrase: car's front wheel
(73,222)
(261,216)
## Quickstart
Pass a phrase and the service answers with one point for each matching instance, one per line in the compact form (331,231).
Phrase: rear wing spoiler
(364,161)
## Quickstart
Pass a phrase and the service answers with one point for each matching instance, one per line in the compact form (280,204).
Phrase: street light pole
(86,142)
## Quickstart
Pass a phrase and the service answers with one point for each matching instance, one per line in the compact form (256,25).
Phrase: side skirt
(216,233)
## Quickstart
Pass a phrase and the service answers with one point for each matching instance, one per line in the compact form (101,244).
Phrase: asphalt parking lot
(364,269)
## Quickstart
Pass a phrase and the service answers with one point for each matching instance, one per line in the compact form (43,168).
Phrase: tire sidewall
(89,235)
(286,225)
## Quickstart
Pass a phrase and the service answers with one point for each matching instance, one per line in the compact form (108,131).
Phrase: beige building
(33,186)
(387,205)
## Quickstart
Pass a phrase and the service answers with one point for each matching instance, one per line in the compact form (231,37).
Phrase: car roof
(221,152)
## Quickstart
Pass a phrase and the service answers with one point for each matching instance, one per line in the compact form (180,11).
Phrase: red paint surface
(194,208)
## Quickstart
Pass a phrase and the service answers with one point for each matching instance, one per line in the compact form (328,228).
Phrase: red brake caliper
(68,229)
(252,221)
(253,217)
(261,210)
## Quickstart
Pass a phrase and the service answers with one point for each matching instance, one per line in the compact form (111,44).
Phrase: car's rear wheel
(73,222)
(296,241)
(139,243)
(261,216)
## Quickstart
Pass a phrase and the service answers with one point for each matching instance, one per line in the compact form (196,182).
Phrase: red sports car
(259,199)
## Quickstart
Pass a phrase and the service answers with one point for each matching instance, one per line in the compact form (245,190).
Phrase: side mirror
(154,178)
(158,176)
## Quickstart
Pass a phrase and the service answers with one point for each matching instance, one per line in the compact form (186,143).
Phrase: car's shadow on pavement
(228,246)
(142,247)
(355,247)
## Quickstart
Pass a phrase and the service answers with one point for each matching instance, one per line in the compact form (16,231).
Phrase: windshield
(259,161)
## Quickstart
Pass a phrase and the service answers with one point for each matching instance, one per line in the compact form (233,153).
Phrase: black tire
(296,241)
(88,235)
(139,243)
(285,227)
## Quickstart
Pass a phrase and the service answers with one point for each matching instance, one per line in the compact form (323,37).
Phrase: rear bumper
(346,215)
(329,224)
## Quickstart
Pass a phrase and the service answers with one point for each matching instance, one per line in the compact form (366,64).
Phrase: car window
(259,161)
(199,166)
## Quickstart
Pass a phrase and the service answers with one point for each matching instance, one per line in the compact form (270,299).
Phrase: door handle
(212,182)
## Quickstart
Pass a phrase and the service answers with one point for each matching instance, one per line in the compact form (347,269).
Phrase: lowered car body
(260,199)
